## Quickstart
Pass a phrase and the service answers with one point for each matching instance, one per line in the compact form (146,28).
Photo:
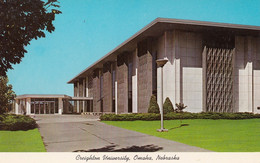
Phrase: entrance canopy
(31,104)
(40,104)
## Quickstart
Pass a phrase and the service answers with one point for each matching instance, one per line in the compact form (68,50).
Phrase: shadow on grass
(179,126)
(112,148)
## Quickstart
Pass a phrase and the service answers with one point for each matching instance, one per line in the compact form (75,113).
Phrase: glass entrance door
(41,107)
(44,105)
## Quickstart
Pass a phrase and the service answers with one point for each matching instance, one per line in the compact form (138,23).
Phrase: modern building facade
(211,67)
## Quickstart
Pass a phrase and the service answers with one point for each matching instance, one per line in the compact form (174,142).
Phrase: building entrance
(44,106)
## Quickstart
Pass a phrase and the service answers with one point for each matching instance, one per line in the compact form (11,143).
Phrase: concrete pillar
(122,84)
(90,86)
(177,54)
(145,74)
(116,98)
(169,47)
(28,106)
(84,94)
(60,106)
(78,96)
(135,83)
(96,91)
(16,106)
(159,87)
(204,83)
(87,87)
(249,72)
(107,87)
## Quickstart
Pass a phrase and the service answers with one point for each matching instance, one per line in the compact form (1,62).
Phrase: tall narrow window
(113,88)
(154,71)
(130,73)
(101,92)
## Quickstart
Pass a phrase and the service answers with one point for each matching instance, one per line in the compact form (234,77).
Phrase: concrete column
(86,86)
(28,106)
(135,83)
(16,106)
(107,87)
(78,96)
(145,75)
(84,95)
(159,87)
(116,97)
(96,91)
(177,80)
(122,83)
(60,106)
(170,46)
(249,72)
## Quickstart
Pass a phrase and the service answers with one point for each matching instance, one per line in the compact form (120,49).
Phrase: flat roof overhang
(42,96)
(156,29)
(81,98)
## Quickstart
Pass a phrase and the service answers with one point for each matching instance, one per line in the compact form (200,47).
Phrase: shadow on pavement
(111,148)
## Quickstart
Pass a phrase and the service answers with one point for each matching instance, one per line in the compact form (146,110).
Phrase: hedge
(172,116)
(14,122)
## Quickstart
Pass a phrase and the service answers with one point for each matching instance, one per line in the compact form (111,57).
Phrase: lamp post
(160,64)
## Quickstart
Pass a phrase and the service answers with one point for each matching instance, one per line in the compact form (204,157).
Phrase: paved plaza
(77,133)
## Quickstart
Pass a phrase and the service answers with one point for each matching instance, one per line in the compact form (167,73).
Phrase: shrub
(167,106)
(180,107)
(14,122)
(153,106)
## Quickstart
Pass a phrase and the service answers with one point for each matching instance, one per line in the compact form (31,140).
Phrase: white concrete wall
(247,74)
(160,54)
(244,70)
(256,75)
(190,52)
(165,49)
(182,74)
(240,83)
(169,70)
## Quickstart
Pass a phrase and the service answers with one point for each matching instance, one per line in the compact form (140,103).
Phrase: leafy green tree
(153,106)
(6,95)
(167,106)
(20,22)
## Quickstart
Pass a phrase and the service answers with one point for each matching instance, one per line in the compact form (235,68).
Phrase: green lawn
(21,141)
(215,135)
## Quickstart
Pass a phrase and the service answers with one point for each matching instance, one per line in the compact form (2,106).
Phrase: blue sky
(88,29)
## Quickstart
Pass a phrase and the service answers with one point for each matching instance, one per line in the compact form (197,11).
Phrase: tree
(20,22)
(6,95)
(167,106)
(153,106)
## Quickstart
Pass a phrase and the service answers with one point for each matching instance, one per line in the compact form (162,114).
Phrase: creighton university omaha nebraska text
(126,158)
(105,157)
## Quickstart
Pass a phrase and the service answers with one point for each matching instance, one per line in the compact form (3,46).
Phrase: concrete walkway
(69,133)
